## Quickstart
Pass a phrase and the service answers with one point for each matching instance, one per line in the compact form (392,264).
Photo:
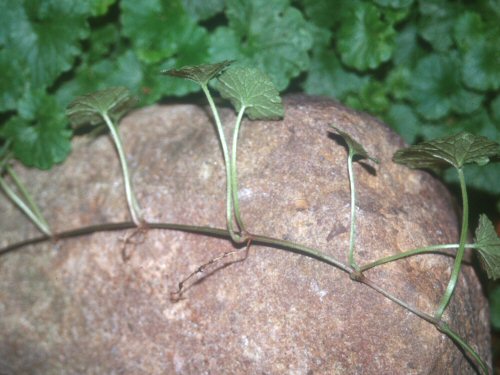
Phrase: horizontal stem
(262,240)
(443,327)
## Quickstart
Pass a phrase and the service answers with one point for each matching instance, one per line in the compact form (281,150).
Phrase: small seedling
(456,151)
(250,91)
(356,151)
(108,106)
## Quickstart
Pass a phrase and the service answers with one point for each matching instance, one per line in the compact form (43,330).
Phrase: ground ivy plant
(358,151)
(455,151)
(250,91)
(253,94)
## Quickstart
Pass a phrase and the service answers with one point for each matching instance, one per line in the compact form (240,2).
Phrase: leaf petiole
(29,209)
(234,173)
(133,205)
(354,149)
(102,106)
(26,195)
(352,236)
(445,300)
(229,180)
(409,253)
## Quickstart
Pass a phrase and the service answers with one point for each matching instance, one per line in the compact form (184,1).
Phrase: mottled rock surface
(76,307)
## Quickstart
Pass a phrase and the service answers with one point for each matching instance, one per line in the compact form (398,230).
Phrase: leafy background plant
(428,68)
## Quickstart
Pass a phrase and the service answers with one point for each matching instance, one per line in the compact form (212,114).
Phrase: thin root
(128,240)
(178,294)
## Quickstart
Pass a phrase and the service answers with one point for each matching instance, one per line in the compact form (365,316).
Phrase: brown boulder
(75,306)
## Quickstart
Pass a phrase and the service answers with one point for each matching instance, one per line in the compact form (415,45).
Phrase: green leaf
(372,97)
(327,76)
(481,65)
(270,35)
(203,9)
(394,3)
(395,15)
(436,23)
(483,178)
(468,29)
(457,150)
(365,40)
(45,35)
(494,299)
(408,51)
(102,42)
(355,148)
(404,121)
(200,74)
(495,108)
(154,27)
(250,88)
(11,80)
(324,13)
(100,7)
(91,108)
(123,70)
(437,88)
(398,82)
(39,135)
(488,246)
(479,123)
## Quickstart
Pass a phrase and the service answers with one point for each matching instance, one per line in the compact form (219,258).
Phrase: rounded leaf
(90,108)
(365,40)
(457,150)
(252,89)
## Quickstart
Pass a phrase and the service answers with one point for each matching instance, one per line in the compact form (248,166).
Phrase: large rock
(77,307)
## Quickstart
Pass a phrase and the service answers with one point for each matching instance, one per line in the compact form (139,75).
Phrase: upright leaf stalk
(445,300)
(352,237)
(28,205)
(133,205)
(234,170)
(230,181)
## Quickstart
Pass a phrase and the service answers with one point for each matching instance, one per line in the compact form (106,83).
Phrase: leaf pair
(242,86)
(252,93)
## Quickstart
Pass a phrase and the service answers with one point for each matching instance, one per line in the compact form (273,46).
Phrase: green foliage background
(427,67)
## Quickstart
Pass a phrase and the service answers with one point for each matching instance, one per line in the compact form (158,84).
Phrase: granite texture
(77,307)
